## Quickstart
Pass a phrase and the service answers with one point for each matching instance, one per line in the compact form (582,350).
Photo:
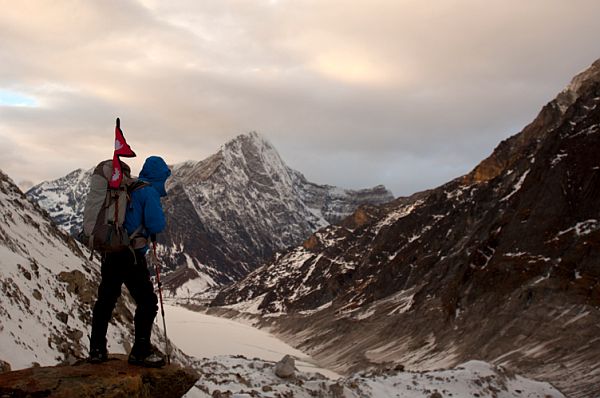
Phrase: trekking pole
(162,308)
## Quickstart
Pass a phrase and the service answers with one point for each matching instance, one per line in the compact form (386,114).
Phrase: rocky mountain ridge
(500,264)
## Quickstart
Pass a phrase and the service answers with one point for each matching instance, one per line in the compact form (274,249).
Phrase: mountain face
(500,264)
(61,198)
(231,212)
(226,214)
(48,288)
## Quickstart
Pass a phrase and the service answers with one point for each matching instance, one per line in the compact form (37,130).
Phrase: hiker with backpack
(122,215)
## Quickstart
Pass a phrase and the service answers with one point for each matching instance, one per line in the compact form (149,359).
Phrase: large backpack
(105,208)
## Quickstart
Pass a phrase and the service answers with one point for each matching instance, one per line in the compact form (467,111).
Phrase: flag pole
(162,308)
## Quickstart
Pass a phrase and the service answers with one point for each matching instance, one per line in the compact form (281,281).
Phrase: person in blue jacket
(144,218)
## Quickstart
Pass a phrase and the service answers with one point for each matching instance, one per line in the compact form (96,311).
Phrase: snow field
(206,336)
(238,358)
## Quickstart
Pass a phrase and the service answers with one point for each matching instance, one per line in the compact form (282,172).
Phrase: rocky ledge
(114,378)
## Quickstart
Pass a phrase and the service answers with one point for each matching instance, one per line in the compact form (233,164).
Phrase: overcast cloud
(353,93)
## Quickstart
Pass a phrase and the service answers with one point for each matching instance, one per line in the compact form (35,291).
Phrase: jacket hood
(156,172)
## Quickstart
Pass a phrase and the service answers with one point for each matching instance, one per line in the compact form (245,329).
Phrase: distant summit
(235,209)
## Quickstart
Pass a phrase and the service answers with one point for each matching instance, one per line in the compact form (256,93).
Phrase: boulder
(286,367)
(4,366)
(114,378)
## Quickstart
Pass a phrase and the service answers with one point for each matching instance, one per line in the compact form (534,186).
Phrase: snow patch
(558,158)
(396,215)
(517,186)
(582,228)
(248,306)
(320,308)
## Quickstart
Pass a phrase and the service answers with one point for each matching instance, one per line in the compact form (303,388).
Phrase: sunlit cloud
(351,67)
(367,86)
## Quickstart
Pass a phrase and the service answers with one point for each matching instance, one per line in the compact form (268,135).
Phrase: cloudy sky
(352,93)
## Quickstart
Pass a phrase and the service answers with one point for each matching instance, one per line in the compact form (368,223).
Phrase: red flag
(117,174)
(121,149)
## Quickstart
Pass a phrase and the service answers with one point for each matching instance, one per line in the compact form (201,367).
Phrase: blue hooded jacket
(144,207)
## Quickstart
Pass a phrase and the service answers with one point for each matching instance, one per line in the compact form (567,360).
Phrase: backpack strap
(91,246)
(137,184)
(137,234)
(132,239)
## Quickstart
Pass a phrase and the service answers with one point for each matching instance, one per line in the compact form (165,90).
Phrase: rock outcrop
(114,378)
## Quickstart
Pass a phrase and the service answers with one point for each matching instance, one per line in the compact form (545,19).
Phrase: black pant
(118,268)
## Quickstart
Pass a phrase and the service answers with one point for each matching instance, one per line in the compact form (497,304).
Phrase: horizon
(352,94)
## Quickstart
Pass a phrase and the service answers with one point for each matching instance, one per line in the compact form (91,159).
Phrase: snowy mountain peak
(590,74)
(256,152)
(547,121)
(250,204)
(568,96)
(252,139)
(254,156)
(245,154)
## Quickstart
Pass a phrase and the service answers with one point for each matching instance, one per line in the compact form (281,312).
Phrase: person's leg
(138,282)
(108,294)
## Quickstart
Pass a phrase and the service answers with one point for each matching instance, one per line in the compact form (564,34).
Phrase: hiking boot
(98,355)
(148,356)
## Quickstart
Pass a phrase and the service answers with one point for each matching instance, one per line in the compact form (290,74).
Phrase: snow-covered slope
(62,199)
(238,376)
(47,289)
